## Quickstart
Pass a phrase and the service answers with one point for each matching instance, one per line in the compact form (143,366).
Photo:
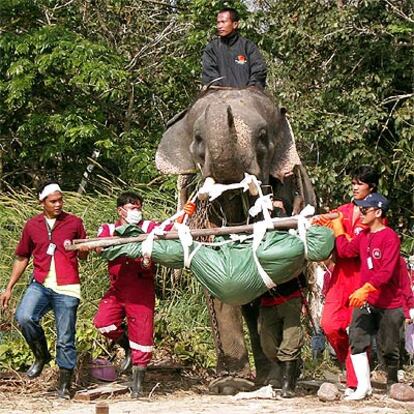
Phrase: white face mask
(133,216)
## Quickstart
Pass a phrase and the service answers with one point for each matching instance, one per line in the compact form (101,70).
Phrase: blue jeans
(36,302)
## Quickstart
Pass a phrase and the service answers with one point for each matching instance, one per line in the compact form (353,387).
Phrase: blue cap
(374,200)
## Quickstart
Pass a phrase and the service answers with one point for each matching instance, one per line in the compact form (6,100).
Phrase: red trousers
(334,322)
(337,314)
(140,320)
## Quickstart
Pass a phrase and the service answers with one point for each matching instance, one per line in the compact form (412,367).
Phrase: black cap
(374,200)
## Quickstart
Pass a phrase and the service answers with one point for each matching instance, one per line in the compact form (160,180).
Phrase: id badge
(369,263)
(51,249)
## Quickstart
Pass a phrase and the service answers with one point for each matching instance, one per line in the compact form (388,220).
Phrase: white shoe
(348,391)
(362,371)
(358,395)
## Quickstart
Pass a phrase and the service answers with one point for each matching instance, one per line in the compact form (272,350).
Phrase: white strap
(259,230)
(215,190)
(303,225)
(186,240)
(147,245)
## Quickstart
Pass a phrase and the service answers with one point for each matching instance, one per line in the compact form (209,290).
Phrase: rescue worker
(232,57)
(131,295)
(55,284)
(377,301)
(280,329)
(336,312)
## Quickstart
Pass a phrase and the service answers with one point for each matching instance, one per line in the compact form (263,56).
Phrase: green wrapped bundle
(229,272)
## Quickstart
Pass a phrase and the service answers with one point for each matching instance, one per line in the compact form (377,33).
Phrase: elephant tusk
(204,191)
(253,190)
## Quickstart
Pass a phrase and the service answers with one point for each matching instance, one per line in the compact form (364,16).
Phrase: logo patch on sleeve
(376,253)
(241,59)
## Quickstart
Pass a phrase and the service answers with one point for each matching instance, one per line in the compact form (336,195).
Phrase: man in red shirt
(378,301)
(55,284)
(131,295)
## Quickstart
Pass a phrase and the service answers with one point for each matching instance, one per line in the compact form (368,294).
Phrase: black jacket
(235,58)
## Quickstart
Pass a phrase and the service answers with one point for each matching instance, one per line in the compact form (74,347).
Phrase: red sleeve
(405,284)
(347,248)
(82,232)
(390,261)
(25,246)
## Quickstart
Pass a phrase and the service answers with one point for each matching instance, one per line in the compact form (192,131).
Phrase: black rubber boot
(392,375)
(42,357)
(138,375)
(289,369)
(123,341)
(65,381)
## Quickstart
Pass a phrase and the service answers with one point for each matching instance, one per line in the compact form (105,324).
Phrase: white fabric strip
(108,328)
(139,347)
(259,230)
(49,189)
(186,241)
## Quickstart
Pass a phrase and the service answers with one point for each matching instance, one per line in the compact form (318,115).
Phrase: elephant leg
(232,358)
(262,364)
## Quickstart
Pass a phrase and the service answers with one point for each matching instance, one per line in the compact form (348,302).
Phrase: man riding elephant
(231,60)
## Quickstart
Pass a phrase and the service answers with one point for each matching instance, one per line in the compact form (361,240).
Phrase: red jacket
(129,279)
(35,241)
(406,288)
(382,249)
(345,274)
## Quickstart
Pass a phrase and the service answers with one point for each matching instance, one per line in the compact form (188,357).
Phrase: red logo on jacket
(241,59)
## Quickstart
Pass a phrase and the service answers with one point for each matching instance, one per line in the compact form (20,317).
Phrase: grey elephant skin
(223,135)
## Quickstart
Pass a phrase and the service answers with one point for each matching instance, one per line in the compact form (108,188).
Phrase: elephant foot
(230,386)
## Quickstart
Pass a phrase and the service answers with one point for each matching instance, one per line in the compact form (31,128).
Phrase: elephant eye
(262,138)
(198,147)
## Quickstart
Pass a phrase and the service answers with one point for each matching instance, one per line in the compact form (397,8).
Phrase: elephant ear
(173,153)
(305,186)
(286,156)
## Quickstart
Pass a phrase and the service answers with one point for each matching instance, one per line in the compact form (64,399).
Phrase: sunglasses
(365,210)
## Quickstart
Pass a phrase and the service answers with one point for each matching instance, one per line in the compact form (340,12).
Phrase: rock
(328,392)
(402,392)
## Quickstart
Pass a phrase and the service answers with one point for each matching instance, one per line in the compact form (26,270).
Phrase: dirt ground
(180,394)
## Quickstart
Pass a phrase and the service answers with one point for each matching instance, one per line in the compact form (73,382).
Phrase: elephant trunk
(222,147)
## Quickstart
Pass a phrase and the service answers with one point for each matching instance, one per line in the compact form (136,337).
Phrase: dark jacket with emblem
(236,59)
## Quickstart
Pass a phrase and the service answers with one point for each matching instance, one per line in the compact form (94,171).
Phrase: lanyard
(49,230)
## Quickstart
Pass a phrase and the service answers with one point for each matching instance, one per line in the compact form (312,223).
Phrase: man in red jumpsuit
(337,313)
(131,295)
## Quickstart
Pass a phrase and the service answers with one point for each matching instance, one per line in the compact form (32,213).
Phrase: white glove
(411,312)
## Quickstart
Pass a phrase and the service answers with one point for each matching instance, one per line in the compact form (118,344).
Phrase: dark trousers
(385,323)
(281,333)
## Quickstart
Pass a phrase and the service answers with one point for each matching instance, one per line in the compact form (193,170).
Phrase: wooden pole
(90,244)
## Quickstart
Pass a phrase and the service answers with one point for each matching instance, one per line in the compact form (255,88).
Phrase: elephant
(224,134)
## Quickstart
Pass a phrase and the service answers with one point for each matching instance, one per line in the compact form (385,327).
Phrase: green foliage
(346,76)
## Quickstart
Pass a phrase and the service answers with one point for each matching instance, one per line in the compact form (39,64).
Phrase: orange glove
(334,224)
(189,208)
(322,220)
(337,226)
(359,297)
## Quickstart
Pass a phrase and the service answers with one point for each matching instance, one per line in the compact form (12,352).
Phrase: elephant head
(229,132)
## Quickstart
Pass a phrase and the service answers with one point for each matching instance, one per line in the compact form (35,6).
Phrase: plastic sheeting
(228,271)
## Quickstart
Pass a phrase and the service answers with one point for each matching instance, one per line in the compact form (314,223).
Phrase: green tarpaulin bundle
(229,271)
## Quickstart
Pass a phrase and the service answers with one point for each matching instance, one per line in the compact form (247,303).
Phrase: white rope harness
(262,205)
